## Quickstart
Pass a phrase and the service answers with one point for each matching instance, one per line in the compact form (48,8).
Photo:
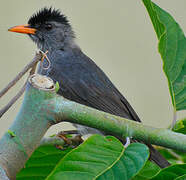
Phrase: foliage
(98,157)
(105,157)
(149,170)
(172,47)
(42,162)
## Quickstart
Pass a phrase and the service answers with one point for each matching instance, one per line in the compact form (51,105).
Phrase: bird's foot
(71,138)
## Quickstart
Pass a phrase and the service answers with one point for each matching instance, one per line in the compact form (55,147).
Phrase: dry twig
(20,75)
(33,64)
(12,101)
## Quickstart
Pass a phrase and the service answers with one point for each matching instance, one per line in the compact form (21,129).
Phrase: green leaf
(149,170)
(180,126)
(172,47)
(173,156)
(99,158)
(171,173)
(12,134)
(132,161)
(57,87)
(41,163)
(181,177)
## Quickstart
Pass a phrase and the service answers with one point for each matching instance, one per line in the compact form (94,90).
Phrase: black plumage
(47,14)
(80,79)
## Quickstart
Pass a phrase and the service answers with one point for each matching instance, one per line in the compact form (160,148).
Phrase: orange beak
(23,29)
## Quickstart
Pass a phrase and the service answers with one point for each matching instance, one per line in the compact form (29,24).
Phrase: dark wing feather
(82,81)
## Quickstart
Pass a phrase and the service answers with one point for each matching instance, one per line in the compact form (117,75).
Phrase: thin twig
(21,91)
(68,132)
(19,76)
(33,64)
(13,100)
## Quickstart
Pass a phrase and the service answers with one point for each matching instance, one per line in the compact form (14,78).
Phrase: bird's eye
(48,27)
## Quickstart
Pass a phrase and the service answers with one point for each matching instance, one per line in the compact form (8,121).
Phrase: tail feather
(156,157)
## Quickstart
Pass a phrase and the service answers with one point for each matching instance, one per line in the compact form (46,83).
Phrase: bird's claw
(69,139)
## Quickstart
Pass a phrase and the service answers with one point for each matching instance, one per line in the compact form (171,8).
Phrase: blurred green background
(117,35)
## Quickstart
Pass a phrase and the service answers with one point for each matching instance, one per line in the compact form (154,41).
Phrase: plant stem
(28,128)
(42,107)
(69,111)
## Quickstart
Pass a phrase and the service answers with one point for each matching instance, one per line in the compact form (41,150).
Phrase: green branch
(66,110)
(42,108)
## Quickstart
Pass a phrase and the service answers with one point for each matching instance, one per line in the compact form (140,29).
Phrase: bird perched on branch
(79,78)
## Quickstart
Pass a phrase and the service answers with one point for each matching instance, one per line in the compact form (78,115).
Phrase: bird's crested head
(47,15)
(49,29)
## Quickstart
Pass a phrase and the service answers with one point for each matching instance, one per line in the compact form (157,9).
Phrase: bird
(80,79)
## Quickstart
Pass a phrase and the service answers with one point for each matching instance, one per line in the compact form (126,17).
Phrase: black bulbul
(80,79)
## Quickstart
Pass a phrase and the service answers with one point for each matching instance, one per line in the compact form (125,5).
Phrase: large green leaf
(149,170)
(130,163)
(172,47)
(171,172)
(101,158)
(41,163)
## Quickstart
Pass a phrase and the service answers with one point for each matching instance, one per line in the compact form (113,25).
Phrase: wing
(82,81)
